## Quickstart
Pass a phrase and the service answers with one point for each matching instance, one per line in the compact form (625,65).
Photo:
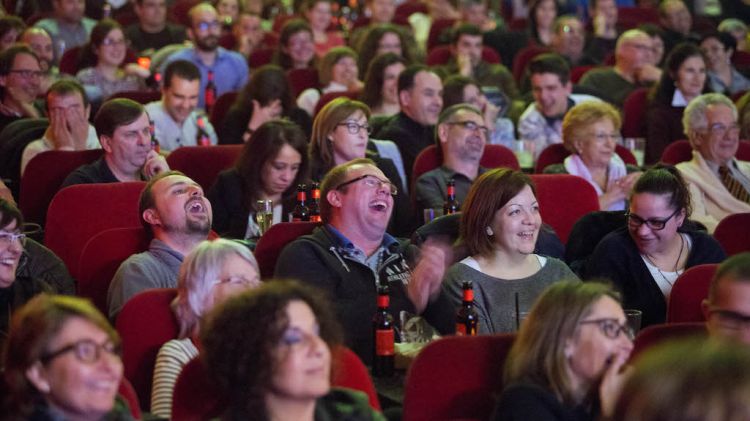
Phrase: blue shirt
(230,70)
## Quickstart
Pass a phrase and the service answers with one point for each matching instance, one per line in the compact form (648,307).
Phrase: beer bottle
(301,212)
(384,336)
(467,319)
(209,94)
(314,203)
(202,138)
(451,205)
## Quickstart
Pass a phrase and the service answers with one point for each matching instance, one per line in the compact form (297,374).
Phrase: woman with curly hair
(380,92)
(385,38)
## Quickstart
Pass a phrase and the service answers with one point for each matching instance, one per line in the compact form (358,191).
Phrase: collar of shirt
(678,99)
(346,247)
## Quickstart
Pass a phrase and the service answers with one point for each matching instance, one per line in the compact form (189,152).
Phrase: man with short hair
(176,120)
(541,122)
(569,40)
(41,44)
(125,135)
(420,95)
(152,31)
(174,209)
(248,33)
(69,129)
(727,308)
(68,26)
(676,20)
(19,84)
(632,69)
(719,183)
(228,69)
(351,255)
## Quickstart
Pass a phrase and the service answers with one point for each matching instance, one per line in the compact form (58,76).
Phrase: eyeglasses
(471,126)
(28,74)
(205,26)
(8,238)
(108,42)
(635,221)
(354,128)
(611,328)
(239,280)
(719,130)
(85,351)
(372,182)
(601,137)
(729,319)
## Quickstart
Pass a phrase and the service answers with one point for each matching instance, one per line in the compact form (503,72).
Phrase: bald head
(633,50)
(41,44)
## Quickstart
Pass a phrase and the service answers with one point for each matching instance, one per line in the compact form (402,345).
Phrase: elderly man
(631,70)
(420,95)
(461,136)
(727,308)
(174,209)
(719,183)
(351,255)
(41,44)
(125,135)
(68,26)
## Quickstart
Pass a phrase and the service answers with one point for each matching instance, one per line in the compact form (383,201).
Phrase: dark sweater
(410,137)
(525,401)
(235,122)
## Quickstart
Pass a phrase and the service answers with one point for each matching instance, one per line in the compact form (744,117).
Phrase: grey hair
(198,271)
(732,24)
(694,117)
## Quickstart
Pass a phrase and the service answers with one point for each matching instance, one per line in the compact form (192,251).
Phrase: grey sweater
(495,299)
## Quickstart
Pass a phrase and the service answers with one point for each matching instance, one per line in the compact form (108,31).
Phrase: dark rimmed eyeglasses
(28,74)
(635,221)
(354,128)
(370,181)
(85,351)
(611,328)
(471,126)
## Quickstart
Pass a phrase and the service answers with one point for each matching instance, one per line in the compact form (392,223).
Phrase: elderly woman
(212,273)
(337,72)
(644,258)
(565,363)
(711,125)
(380,91)
(719,47)
(269,352)
(591,131)
(62,362)
(296,49)
(499,227)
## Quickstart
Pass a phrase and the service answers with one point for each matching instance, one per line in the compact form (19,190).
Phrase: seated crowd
(368,123)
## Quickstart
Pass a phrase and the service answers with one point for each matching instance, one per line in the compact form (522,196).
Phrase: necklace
(676,263)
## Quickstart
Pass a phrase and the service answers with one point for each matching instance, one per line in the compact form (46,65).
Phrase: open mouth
(196,206)
(379,205)
(526,235)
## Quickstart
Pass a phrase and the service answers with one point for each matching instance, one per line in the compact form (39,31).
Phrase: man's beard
(209,43)
(191,228)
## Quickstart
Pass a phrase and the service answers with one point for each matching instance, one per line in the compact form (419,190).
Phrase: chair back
(13,141)
(222,105)
(556,154)
(522,59)
(410,7)
(141,97)
(330,96)
(79,212)
(127,393)
(203,164)
(577,72)
(681,151)
(456,377)
(43,177)
(301,79)
(733,233)
(631,17)
(352,373)
(660,333)
(563,200)
(634,113)
(741,59)
(102,256)
(442,54)
(145,323)
(688,292)
(261,57)
(273,241)
(494,156)
(438,27)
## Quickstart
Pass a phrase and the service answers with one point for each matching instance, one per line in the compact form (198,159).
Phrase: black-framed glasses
(7,238)
(370,181)
(354,128)
(635,221)
(28,74)
(611,328)
(471,126)
(85,351)
(205,26)
(729,319)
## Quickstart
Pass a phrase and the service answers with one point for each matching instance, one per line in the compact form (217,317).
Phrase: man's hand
(135,69)
(58,133)
(464,64)
(427,277)
(648,73)
(155,164)
(613,380)
(78,126)
(24,99)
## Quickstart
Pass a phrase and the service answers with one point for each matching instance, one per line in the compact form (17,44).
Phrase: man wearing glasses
(351,255)
(727,308)
(20,74)
(719,183)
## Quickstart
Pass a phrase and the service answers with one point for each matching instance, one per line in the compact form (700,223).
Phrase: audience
(677,22)
(380,90)
(67,26)
(172,209)
(500,225)
(296,49)
(382,39)
(337,72)
(20,75)
(567,361)
(11,28)
(569,40)
(248,34)
(270,353)
(656,54)
(176,119)
(644,259)
(41,44)
(719,182)
(737,29)
(228,10)
(211,274)
(319,14)
(152,32)
(603,37)
(62,361)
(723,77)
(727,307)
(271,166)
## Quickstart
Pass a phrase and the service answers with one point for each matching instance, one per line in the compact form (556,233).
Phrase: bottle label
(384,342)
(468,295)
(316,194)
(314,218)
(301,196)
(383,301)
(460,329)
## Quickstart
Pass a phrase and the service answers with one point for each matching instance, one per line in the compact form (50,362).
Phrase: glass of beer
(264,215)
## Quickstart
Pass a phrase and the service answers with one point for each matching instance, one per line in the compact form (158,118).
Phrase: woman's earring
(489,231)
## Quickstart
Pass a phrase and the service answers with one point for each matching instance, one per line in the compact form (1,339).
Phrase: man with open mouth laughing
(351,255)
(174,209)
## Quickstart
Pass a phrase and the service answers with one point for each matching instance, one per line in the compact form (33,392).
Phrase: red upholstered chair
(441,54)
(204,163)
(577,72)
(222,105)
(141,97)
(657,334)
(127,393)
(435,37)
(456,377)
(523,57)
(330,96)
(688,291)
(352,373)
(79,212)
(100,258)
(563,199)
(69,61)
(676,152)
(556,154)
(494,156)
(733,233)
(178,12)
(43,176)
(634,113)
(145,323)
(741,59)
(260,57)
(301,79)
(631,17)
(273,241)
(410,7)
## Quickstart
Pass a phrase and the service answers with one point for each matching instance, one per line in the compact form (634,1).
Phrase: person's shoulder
(555,169)
(598,74)
(431,175)
(87,74)
(348,404)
